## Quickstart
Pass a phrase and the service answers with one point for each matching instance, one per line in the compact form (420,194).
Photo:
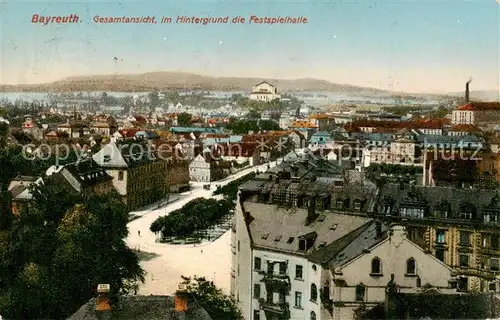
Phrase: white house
(264,91)
(329,268)
(273,257)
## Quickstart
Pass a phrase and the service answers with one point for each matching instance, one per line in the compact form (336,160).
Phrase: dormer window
(491,217)
(467,211)
(442,210)
(358,205)
(302,245)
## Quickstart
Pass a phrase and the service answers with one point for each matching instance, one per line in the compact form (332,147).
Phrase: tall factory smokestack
(467,90)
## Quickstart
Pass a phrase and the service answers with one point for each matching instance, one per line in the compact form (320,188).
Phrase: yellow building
(458,226)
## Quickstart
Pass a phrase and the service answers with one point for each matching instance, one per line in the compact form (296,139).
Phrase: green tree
(253,114)
(269,125)
(184,119)
(57,252)
(218,305)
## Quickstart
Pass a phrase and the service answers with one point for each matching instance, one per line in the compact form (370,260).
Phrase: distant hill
(189,81)
(481,95)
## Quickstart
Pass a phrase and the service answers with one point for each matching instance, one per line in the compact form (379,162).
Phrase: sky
(412,46)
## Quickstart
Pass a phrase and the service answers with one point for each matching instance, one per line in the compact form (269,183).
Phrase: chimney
(467,90)
(181,301)
(102,302)
(378,228)
(311,211)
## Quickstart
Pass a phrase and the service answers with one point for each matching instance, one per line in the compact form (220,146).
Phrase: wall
(243,264)
(120,186)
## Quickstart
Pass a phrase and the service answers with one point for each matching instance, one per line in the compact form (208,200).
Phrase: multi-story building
(177,164)
(306,250)
(284,218)
(138,175)
(206,167)
(480,114)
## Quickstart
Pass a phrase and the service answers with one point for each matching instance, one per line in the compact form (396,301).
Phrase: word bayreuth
(45,20)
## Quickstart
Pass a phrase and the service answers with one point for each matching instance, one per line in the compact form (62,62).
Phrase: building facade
(138,175)
(265,92)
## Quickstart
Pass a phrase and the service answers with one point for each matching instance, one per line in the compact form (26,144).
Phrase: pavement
(170,262)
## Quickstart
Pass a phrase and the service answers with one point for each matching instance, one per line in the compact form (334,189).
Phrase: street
(170,262)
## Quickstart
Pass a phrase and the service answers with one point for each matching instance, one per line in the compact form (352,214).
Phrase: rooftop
(140,308)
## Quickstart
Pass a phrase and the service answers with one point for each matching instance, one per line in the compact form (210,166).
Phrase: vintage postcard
(249,160)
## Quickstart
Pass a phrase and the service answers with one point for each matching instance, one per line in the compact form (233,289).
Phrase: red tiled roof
(480,106)
(129,133)
(388,126)
(465,128)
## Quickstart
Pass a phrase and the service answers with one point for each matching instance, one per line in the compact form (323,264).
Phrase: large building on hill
(265,92)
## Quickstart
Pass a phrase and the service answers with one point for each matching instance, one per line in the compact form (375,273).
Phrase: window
(314,293)
(256,315)
(376,266)
(270,268)
(357,205)
(270,296)
(120,175)
(282,298)
(340,205)
(411,266)
(360,292)
(494,242)
(463,284)
(238,245)
(282,268)
(257,263)
(466,211)
(464,238)
(313,315)
(302,245)
(298,272)
(493,286)
(464,260)
(256,291)
(298,299)
(440,236)
(485,240)
(494,264)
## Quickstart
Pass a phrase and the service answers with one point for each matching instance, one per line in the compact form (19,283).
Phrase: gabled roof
(270,222)
(480,106)
(264,82)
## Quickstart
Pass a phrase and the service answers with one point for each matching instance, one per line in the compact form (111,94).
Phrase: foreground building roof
(141,308)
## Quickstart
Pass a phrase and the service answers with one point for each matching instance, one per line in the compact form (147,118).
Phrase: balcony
(277,281)
(326,300)
(281,309)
